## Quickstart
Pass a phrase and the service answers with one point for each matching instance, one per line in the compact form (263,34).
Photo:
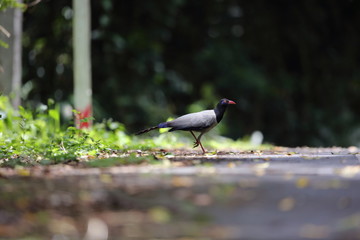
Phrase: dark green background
(293,67)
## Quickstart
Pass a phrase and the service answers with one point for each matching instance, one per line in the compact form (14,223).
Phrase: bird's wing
(194,121)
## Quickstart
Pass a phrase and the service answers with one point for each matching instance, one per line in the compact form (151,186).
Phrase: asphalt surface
(294,194)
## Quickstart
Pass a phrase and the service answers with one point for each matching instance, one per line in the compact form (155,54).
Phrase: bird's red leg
(197,142)
(202,147)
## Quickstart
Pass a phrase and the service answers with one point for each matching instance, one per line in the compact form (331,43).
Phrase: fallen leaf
(159,215)
(181,181)
(231,165)
(105,178)
(262,165)
(24,172)
(286,204)
(302,182)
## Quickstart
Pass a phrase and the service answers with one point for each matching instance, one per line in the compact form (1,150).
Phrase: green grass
(32,137)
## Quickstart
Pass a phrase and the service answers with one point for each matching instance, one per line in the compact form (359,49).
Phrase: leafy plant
(30,137)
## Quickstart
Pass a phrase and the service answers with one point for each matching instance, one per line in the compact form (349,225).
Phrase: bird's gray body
(200,121)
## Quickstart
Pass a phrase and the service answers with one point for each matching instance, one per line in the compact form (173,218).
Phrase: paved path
(293,194)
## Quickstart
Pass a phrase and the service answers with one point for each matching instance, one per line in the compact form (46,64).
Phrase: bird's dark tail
(146,130)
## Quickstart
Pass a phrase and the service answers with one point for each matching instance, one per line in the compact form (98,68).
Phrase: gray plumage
(199,121)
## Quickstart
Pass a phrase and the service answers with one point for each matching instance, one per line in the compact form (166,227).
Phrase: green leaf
(55,115)
(4,4)
(4,44)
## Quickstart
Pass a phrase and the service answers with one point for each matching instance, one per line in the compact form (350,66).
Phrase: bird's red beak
(231,102)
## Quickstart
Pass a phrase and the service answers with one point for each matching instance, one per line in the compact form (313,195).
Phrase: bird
(202,122)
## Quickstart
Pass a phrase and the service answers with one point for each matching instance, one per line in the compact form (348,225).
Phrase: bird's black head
(225,101)
(221,107)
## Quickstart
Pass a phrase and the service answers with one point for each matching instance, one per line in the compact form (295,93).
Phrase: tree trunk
(10,58)
(82,63)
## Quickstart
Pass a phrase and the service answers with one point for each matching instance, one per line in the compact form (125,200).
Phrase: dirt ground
(301,193)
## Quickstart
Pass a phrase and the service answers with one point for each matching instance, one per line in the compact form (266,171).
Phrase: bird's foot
(196,144)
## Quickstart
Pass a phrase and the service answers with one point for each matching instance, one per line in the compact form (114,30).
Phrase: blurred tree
(10,49)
